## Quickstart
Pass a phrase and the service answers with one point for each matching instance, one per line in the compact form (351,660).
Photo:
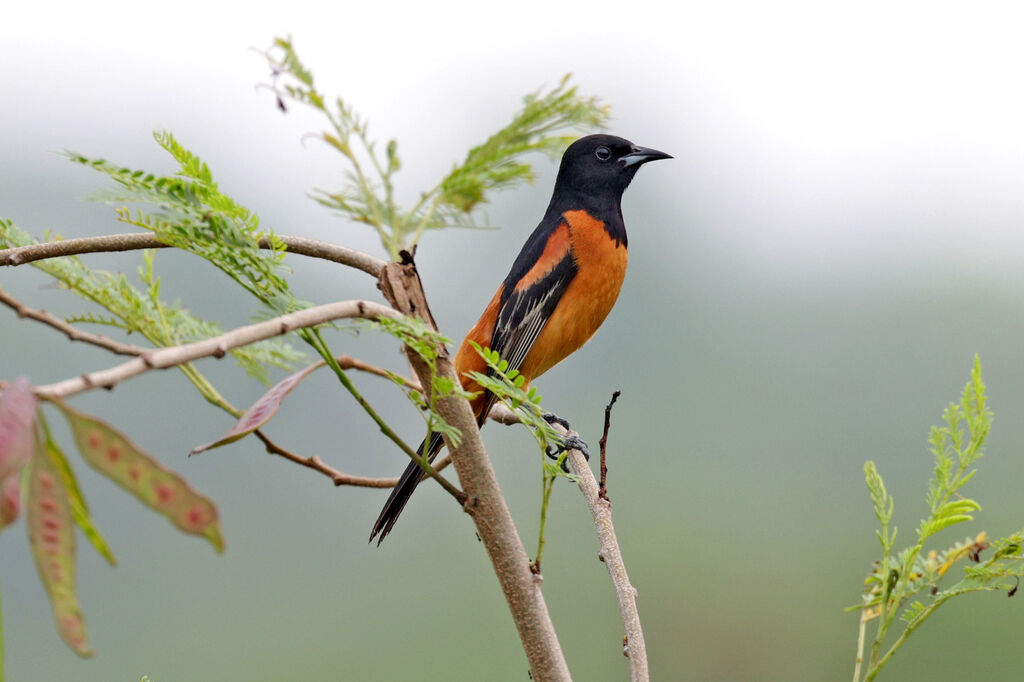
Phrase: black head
(602,166)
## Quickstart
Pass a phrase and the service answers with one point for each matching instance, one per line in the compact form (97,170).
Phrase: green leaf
(1007,548)
(960,506)
(134,310)
(933,526)
(880,499)
(113,455)
(496,164)
(51,535)
(196,216)
(913,612)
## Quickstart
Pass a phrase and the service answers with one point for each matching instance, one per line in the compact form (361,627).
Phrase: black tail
(411,478)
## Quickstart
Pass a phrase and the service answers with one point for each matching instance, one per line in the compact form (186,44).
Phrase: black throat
(604,206)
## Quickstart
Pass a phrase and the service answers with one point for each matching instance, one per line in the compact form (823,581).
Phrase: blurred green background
(809,280)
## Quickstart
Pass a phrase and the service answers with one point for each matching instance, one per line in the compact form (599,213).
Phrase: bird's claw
(572,442)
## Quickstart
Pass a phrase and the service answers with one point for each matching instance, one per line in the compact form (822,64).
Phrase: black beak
(638,155)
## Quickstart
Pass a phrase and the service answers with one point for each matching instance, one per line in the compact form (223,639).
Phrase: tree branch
(146,240)
(634,646)
(217,346)
(402,287)
(339,477)
(73,333)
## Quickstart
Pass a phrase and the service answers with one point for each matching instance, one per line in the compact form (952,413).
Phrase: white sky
(823,133)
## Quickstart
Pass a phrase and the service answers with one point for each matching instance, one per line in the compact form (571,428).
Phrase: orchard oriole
(561,287)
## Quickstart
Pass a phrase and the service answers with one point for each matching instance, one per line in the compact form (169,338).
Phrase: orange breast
(601,269)
(601,264)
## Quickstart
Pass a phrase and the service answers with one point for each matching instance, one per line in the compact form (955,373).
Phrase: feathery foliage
(194,215)
(143,311)
(425,342)
(911,580)
(542,125)
(507,386)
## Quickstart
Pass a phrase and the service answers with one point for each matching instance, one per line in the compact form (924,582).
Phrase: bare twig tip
(603,489)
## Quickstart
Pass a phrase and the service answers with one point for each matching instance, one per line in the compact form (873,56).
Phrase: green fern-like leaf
(912,612)
(507,387)
(545,124)
(142,311)
(193,214)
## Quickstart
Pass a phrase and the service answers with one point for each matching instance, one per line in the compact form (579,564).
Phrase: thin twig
(349,362)
(634,647)
(503,415)
(860,644)
(146,240)
(338,477)
(317,464)
(317,341)
(217,346)
(603,492)
(73,333)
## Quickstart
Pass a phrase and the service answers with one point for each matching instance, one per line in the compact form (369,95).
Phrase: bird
(559,290)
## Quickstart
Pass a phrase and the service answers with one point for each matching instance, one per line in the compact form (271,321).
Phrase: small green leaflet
(111,453)
(51,534)
(261,412)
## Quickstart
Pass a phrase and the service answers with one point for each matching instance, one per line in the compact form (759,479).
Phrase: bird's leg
(552,418)
(571,442)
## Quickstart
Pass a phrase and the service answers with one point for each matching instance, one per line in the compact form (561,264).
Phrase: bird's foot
(571,442)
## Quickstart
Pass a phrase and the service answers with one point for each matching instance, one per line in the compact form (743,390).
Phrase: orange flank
(555,251)
(468,360)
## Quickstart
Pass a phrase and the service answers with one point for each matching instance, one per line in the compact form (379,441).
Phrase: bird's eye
(603,153)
